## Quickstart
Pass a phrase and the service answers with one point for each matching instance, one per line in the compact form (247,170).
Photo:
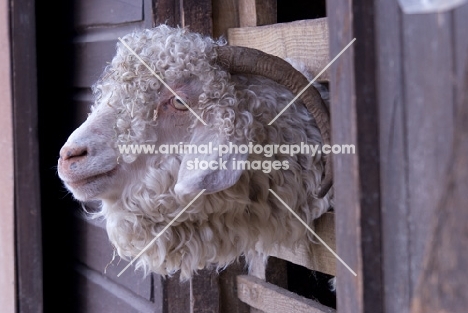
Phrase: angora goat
(236,92)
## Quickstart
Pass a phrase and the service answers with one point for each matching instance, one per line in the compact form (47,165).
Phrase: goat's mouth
(92,179)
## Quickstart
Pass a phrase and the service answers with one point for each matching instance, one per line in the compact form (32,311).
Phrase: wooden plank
(445,278)
(368,146)
(257,269)
(321,259)
(205,294)
(273,299)
(445,263)
(230,303)
(167,12)
(276,272)
(460,42)
(90,60)
(225,16)
(306,41)
(27,191)
(266,11)
(176,295)
(247,13)
(98,294)
(429,109)
(94,249)
(345,172)
(7,194)
(197,16)
(107,12)
(148,14)
(256,12)
(393,165)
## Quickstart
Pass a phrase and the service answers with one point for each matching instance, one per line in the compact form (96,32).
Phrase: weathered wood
(320,259)
(89,242)
(273,299)
(7,191)
(225,16)
(393,165)
(105,12)
(205,294)
(241,13)
(276,272)
(26,154)
(460,42)
(247,13)
(429,110)
(90,60)
(261,269)
(444,279)
(256,12)
(230,303)
(98,294)
(345,172)
(197,16)
(266,11)
(176,295)
(368,146)
(306,41)
(94,249)
(167,12)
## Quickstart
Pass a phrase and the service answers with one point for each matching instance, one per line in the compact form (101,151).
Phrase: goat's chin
(95,187)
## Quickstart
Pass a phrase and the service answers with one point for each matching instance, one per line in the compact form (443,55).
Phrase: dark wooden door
(80,271)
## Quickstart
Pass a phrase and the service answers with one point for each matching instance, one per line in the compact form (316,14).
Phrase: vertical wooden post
(444,275)
(27,189)
(7,236)
(354,112)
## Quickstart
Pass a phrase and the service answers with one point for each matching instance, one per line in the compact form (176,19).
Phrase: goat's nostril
(68,153)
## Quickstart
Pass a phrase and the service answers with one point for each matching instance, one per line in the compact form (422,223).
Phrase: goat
(236,92)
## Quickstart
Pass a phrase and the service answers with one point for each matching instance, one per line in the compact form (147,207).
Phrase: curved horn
(252,61)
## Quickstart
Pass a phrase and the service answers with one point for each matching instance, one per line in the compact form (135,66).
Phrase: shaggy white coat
(141,194)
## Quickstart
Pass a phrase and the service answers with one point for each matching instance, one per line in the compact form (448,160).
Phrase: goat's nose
(73,153)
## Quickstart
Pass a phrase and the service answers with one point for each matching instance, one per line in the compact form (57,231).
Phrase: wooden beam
(229,302)
(167,12)
(7,213)
(225,16)
(196,15)
(320,259)
(256,12)
(367,139)
(305,41)
(266,12)
(205,292)
(346,167)
(247,13)
(444,278)
(242,13)
(27,191)
(270,298)
(394,184)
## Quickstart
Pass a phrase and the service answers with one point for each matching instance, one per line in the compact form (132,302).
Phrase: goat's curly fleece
(219,227)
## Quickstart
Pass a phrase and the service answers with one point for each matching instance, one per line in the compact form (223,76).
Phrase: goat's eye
(178,104)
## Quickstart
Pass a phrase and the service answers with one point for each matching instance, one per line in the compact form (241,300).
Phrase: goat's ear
(210,171)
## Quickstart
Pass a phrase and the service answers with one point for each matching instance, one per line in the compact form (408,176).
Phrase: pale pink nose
(73,153)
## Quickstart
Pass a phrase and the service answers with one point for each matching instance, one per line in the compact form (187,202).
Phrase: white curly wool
(141,194)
